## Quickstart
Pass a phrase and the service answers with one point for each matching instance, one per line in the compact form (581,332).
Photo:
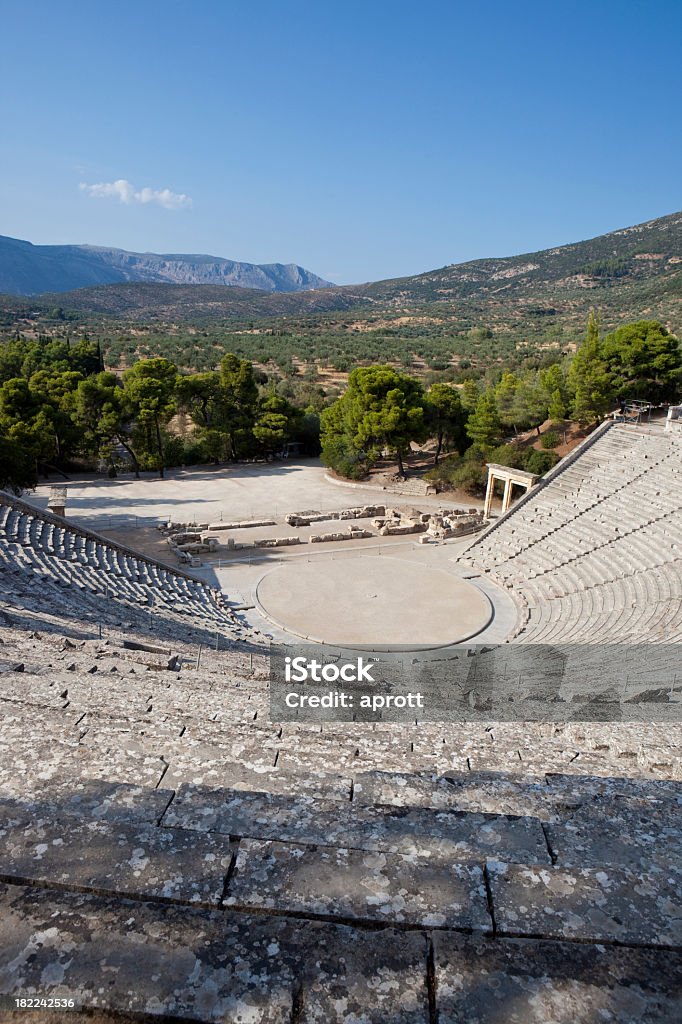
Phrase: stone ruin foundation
(188,541)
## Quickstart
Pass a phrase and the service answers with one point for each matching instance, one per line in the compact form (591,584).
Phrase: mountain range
(27,269)
(632,273)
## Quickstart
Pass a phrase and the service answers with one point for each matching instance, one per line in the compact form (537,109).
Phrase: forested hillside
(495,312)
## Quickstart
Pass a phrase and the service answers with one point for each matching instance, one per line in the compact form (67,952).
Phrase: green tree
(556,409)
(643,361)
(462,472)
(588,377)
(200,395)
(276,423)
(445,417)
(104,415)
(85,357)
(197,394)
(381,409)
(470,394)
(308,432)
(483,425)
(506,401)
(553,383)
(27,422)
(17,466)
(530,403)
(238,402)
(150,391)
(54,390)
(540,462)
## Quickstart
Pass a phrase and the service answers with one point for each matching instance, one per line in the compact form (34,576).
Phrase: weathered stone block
(277,542)
(354,884)
(589,904)
(397,529)
(241,525)
(121,858)
(188,537)
(535,981)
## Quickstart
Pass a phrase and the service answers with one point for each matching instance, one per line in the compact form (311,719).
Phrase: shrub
(195,453)
(550,439)
(507,455)
(540,462)
(344,459)
(466,472)
(174,452)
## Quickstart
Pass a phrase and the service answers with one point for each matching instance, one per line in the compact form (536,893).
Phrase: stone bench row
(75,558)
(410,867)
(274,969)
(66,606)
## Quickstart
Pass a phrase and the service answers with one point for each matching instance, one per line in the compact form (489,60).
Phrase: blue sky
(362,140)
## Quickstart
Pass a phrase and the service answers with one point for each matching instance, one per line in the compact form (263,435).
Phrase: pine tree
(483,425)
(588,377)
(557,406)
(470,395)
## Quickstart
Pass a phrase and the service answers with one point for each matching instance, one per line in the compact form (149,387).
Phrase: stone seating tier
(592,555)
(46,550)
(172,814)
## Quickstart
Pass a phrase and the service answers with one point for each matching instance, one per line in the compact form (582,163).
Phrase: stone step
(41,759)
(203,965)
(636,841)
(84,799)
(526,981)
(413,831)
(141,860)
(210,768)
(665,794)
(492,793)
(356,885)
(607,904)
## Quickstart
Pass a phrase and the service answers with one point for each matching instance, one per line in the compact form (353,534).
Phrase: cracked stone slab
(128,733)
(411,831)
(27,764)
(112,690)
(206,965)
(224,733)
(34,692)
(489,758)
(526,981)
(460,791)
(638,838)
(88,800)
(306,756)
(538,761)
(244,751)
(372,977)
(651,793)
(186,768)
(352,759)
(359,885)
(590,764)
(402,789)
(23,723)
(440,762)
(588,904)
(104,705)
(145,860)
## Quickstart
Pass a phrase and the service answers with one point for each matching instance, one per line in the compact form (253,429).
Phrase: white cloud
(126,192)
